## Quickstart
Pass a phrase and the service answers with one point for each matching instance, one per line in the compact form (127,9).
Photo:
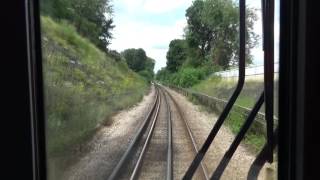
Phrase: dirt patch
(201,123)
(110,142)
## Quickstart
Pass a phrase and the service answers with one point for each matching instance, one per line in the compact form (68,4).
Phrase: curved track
(203,169)
(162,147)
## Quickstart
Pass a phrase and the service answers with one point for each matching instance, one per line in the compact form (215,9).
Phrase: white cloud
(129,5)
(134,30)
(163,6)
(148,36)
(139,34)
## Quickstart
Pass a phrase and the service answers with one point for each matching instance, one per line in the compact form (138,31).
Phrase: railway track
(192,141)
(153,153)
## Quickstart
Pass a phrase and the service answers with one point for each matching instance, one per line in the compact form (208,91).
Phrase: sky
(152,24)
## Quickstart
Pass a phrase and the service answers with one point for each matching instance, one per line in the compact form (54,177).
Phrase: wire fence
(250,71)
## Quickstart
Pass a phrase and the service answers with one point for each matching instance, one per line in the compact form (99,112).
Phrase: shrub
(187,77)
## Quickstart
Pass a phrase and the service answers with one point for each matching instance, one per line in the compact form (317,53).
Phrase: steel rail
(169,174)
(197,160)
(138,164)
(125,157)
(195,147)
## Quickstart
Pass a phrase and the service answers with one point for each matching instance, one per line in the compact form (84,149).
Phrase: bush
(187,77)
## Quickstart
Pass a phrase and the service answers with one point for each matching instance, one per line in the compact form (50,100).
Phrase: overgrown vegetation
(184,77)
(254,138)
(83,88)
(211,42)
(223,88)
(91,18)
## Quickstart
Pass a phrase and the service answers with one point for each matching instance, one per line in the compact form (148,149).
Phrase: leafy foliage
(213,28)
(149,64)
(92,18)
(138,61)
(115,55)
(211,42)
(148,71)
(163,75)
(176,55)
(188,77)
(185,77)
(135,58)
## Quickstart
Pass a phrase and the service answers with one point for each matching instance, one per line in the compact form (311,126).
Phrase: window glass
(133,87)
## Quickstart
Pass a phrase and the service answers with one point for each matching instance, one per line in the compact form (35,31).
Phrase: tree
(139,62)
(198,34)
(92,18)
(163,74)
(106,34)
(213,28)
(149,64)
(115,55)
(148,69)
(176,55)
(135,58)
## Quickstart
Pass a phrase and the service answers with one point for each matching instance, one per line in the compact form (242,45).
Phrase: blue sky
(152,24)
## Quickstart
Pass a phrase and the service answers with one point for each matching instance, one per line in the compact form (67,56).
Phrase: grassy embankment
(223,88)
(84,87)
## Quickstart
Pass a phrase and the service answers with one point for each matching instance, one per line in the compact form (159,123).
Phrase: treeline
(91,18)
(211,42)
(139,62)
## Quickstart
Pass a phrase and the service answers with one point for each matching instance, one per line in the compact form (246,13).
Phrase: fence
(250,71)
(217,105)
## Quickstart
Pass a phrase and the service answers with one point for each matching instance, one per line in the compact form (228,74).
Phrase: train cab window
(160,89)
(150,89)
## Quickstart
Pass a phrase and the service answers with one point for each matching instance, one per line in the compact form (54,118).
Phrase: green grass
(253,138)
(83,87)
(223,88)
(245,101)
